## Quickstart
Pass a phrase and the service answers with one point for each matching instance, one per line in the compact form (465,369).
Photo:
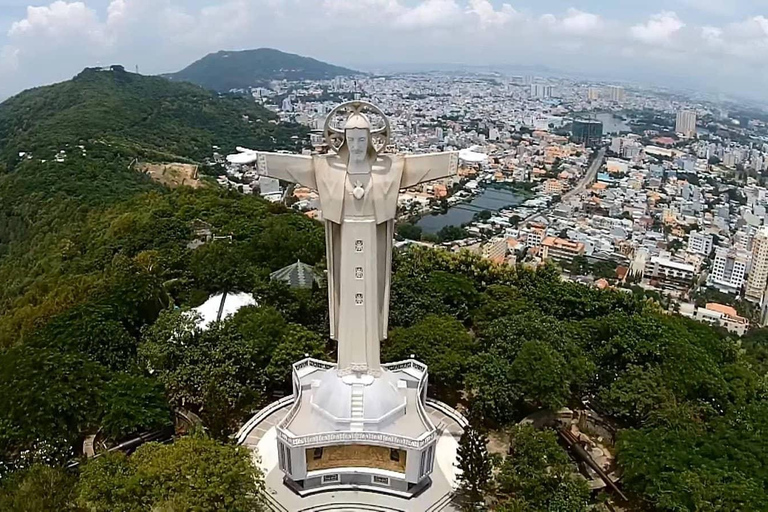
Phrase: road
(589,177)
(587,180)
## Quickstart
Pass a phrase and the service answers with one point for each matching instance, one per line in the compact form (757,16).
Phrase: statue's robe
(359,234)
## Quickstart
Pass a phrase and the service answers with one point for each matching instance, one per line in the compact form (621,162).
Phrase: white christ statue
(358,189)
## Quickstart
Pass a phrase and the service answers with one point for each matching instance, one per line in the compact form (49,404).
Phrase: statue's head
(358,143)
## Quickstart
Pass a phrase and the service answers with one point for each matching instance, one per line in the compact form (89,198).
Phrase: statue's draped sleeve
(293,168)
(429,167)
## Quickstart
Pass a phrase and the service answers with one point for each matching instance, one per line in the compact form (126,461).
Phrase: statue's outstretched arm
(429,167)
(287,167)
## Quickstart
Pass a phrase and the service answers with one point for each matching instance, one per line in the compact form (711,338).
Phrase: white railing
(448,411)
(314,363)
(402,365)
(353,437)
(263,414)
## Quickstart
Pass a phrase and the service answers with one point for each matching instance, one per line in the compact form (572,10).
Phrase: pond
(612,124)
(492,199)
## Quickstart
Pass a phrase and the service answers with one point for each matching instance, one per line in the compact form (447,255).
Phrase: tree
(296,344)
(675,245)
(221,266)
(409,231)
(580,265)
(441,342)
(540,375)
(190,474)
(475,479)
(451,233)
(92,329)
(537,473)
(39,488)
(214,372)
(133,404)
(484,215)
(47,398)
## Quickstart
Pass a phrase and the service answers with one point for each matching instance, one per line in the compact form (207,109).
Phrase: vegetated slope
(224,71)
(101,120)
(138,114)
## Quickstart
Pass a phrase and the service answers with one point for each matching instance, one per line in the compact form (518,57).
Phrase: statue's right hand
(244,156)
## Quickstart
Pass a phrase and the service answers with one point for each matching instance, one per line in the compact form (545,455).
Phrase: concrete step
(357,403)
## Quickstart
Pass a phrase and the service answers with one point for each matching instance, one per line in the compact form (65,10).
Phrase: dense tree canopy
(537,475)
(191,474)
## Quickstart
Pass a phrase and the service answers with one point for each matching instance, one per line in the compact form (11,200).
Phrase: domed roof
(332,395)
(380,397)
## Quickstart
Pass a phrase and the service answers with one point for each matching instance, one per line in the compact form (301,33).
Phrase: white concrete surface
(263,440)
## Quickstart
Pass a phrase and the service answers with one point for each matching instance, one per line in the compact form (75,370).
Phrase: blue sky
(717,45)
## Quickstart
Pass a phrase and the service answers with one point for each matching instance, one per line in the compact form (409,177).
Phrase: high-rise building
(699,243)
(758,275)
(593,94)
(541,91)
(729,269)
(616,94)
(587,131)
(685,123)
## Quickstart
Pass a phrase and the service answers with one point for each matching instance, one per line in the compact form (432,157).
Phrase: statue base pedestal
(358,429)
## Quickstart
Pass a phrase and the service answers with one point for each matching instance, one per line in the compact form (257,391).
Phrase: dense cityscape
(671,207)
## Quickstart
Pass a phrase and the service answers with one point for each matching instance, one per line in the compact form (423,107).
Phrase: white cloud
(431,14)
(659,29)
(579,22)
(488,15)
(55,41)
(58,22)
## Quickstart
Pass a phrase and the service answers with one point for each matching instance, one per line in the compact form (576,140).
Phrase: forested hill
(139,115)
(65,151)
(224,71)
(92,253)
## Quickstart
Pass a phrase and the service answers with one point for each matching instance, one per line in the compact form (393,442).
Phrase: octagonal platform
(260,435)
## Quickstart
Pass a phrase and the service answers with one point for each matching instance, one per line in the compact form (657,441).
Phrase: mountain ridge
(225,70)
(65,155)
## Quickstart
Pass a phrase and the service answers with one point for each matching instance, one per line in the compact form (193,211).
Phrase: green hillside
(92,253)
(102,121)
(224,71)
(139,115)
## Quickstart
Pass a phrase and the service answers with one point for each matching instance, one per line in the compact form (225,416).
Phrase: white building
(541,91)
(616,94)
(729,269)
(685,124)
(673,273)
(717,314)
(699,243)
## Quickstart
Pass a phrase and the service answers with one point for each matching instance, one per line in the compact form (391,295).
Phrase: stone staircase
(356,410)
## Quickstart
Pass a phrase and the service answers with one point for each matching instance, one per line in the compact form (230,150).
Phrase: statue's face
(357,141)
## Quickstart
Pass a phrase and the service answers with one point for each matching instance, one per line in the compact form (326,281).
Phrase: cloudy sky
(708,44)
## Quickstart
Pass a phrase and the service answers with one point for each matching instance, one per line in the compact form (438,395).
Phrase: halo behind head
(357,121)
(355,114)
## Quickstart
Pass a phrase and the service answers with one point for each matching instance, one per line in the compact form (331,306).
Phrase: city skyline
(679,43)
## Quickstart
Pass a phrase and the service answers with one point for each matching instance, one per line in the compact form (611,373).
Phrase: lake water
(612,124)
(492,199)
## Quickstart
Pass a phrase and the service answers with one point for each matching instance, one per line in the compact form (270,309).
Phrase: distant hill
(224,71)
(65,154)
(136,114)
